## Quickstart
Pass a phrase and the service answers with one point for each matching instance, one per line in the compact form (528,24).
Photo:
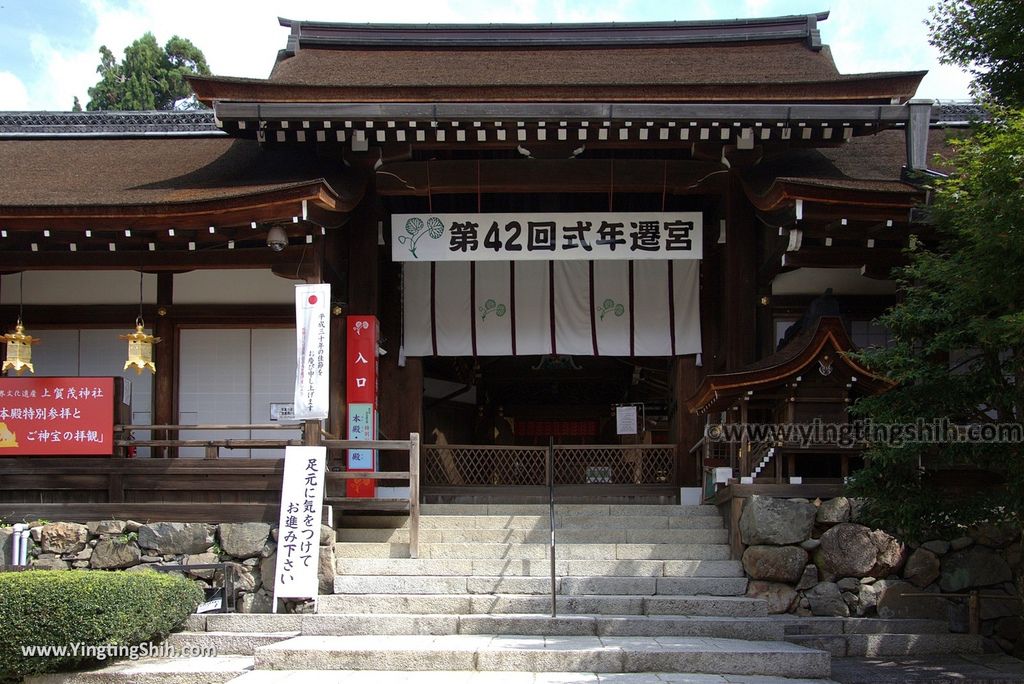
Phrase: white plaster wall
(233,286)
(843,281)
(78,287)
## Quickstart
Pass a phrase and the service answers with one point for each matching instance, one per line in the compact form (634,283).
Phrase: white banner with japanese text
(597,308)
(298,543)
(313,347)
(540,236)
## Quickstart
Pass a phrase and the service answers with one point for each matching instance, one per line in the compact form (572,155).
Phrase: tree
(150,77)
(987,38)
(958,350)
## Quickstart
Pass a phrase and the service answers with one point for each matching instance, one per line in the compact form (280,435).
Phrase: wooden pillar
(685,427)
(739,295)
(165,380)
(363,256)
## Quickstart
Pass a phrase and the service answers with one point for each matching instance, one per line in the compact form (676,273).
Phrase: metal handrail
(551,522)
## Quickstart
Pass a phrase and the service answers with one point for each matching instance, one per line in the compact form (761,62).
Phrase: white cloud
(13,94)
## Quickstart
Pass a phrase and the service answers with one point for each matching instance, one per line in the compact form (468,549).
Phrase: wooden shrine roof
(760,60)
(719,390)
(863,166)
(128,179)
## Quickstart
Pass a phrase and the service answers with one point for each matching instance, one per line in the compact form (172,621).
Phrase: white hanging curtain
(599,308)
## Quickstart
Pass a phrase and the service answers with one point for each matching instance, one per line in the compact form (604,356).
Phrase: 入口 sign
(554,236)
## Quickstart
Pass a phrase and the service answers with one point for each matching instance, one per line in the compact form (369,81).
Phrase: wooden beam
(548,175)
(844,257)
(232,211)
(161,260)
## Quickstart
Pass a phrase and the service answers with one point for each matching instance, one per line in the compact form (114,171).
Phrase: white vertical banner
(313,347)
(298,539)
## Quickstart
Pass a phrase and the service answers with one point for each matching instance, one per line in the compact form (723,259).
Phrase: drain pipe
(16,543)
(24,546)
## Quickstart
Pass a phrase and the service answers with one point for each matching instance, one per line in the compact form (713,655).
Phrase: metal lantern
(140,348)
(19,350)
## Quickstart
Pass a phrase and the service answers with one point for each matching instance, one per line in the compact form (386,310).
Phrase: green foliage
(127,537)
(60,608)
(986,37)
(958,349)
(150,77)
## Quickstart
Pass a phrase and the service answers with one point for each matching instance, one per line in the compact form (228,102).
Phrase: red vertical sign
(361,397)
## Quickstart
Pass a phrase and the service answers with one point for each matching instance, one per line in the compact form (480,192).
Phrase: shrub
(94,609)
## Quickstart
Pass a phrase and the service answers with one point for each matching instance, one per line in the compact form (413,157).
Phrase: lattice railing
(469,465)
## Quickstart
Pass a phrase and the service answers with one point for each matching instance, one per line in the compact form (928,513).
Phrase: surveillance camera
(277,239)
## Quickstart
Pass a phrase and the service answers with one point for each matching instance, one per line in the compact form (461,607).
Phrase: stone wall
(813,558)
(130,546)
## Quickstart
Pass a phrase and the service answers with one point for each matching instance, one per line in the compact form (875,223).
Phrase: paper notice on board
(625,420)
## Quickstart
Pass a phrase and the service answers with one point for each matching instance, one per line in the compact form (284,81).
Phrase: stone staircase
(644,593)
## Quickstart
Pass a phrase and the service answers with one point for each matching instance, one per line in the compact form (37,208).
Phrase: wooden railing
(210,489)
(464,465)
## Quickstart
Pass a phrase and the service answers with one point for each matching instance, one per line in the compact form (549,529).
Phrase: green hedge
(93,608)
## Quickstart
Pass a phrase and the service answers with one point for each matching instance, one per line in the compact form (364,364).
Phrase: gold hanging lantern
(19,350)
(140,348)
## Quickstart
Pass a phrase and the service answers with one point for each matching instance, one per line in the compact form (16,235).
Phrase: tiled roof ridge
(133,123)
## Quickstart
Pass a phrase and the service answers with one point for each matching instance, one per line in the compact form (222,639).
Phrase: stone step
(568,509)
(539,568)
(568,586)
(517,653)
(520,536)
(794,625)
(486,677)
(537,551)
(890,645)
(755,628)
(533,522)
(211,670)
(226,642)
(475,604)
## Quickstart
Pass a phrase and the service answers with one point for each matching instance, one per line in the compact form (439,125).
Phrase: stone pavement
(933,669)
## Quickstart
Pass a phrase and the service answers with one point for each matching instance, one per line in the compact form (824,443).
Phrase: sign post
(361,397)
(298,541)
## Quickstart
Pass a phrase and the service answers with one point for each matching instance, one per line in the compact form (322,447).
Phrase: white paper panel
(272,376)
(416,293)
(686,282)
(533,317)
(572,308)
(611,307)
(493,313)
(651,321)
(453,317)
(213,385)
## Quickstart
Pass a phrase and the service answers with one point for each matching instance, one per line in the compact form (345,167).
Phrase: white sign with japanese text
(625,420)
(313,346)
(298,540)
(555,236)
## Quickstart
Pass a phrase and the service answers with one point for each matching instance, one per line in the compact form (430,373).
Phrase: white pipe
(24,547)
(16,544)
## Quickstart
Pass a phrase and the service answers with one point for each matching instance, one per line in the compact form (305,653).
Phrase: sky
(49,49)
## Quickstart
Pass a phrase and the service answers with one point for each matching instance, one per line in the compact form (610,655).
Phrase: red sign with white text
(361,360)
(361,398)
(56,416)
